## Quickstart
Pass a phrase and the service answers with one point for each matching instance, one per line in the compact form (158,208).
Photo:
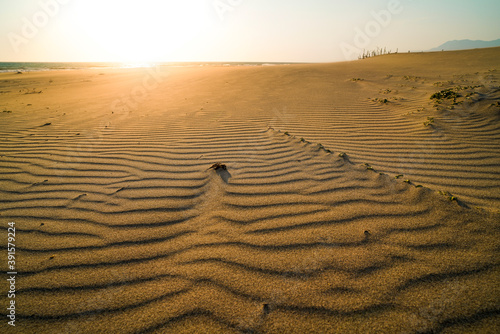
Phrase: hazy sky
(234,30)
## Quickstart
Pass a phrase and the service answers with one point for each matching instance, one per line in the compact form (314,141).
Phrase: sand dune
(123,228)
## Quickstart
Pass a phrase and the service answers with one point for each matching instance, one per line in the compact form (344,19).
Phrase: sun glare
(152,31)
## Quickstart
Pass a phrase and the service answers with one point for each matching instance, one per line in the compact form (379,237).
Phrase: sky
(234,30)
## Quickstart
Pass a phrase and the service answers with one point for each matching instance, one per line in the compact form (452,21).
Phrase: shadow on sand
(224,174)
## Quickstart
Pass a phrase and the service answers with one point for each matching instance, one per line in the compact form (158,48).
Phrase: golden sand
(339,210)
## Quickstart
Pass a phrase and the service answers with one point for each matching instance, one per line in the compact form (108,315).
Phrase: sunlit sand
(325,198)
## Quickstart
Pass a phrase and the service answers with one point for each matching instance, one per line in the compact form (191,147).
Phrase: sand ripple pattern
(459,154)
(126,231)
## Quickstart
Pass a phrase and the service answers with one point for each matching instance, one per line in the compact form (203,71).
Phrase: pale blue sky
(234,30)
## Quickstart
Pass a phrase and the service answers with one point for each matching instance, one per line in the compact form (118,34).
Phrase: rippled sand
(339,211)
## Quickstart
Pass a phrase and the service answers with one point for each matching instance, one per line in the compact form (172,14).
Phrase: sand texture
(123,228)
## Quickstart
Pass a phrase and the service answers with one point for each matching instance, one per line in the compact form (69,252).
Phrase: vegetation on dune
(374,53)
(446,94)
(381,100)
(447,194)
(368,167)
(429,121)
(411,78)
(454,94)
(34,91)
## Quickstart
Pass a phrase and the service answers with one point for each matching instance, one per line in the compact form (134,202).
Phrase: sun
(141,31)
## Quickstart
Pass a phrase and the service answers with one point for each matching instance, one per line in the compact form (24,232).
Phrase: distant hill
(465,44)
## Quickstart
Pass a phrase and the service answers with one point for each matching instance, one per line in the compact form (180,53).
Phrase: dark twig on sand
(217,166)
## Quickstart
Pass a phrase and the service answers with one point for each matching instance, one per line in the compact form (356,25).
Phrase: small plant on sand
(450,197)
(342,155)
(407,181)
(357,79)
(398,176)
(33,92)
(411,78)
(368,167)
(7,111)
(286,133)
(381,100)
(445,94)
(429,121)
(321,147)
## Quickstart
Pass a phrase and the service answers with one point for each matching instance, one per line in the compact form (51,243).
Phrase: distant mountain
(465,44)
